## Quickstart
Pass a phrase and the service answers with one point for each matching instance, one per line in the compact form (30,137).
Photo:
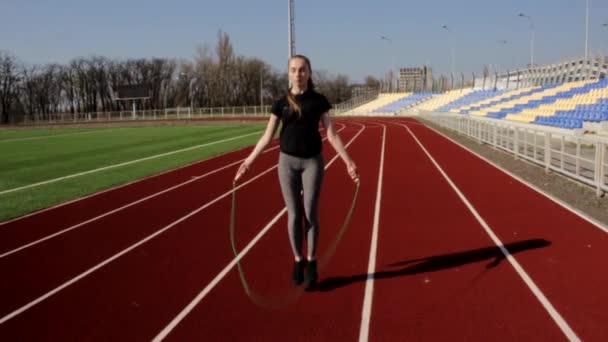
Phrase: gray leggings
(306,175)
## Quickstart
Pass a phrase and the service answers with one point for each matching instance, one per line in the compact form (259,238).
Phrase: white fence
(177,113)
(565,151)
(158,114)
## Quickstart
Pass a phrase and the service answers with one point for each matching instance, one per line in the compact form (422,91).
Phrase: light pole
(586,30)
(445,27)
(291,32)
(605,25)
(261,88)
(163,89)
(531,39)
(502,43)
(390,41)
(191,94)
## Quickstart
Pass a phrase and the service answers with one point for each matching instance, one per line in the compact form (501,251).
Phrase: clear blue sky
(339,36)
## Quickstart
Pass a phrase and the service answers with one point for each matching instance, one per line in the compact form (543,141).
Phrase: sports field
(44,167)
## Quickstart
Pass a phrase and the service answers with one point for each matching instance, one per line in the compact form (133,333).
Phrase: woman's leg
(291,184)
(312,179)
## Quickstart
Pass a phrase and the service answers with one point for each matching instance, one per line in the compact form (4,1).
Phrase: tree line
(214,78)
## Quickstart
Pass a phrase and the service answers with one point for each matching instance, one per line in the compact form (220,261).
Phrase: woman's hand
(242,171)
(352,171)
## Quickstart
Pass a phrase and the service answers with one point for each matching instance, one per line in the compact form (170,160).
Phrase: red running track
(437,273)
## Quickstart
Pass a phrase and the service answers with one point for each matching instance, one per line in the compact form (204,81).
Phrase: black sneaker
(311,274)
(298,271)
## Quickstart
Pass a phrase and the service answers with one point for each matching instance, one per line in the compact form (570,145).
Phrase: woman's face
(298,72)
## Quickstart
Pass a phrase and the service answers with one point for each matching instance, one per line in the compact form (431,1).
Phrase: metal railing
(176,113)
(151,114)
(565,151)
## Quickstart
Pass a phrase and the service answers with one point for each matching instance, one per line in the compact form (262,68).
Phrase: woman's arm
(271,128)
(336,143)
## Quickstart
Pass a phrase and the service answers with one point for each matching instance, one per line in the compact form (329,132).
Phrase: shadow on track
(436,263)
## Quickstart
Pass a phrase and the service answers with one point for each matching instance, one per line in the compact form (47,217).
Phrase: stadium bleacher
(472,97)
(566,105)
(382,100)
(404,102)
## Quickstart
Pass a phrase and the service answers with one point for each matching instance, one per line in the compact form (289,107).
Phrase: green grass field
(38,155)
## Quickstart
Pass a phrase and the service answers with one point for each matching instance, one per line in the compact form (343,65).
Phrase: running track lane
(226,313)
(29,227)
(439,276)
(571,272)
(127,297)
(37,270)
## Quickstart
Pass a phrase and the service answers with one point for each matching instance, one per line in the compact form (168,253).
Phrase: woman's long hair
(293,104)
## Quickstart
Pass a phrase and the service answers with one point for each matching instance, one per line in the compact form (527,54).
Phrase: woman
(301,164)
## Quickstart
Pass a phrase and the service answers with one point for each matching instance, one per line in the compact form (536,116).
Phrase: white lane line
(371,267)
(175,321)
(127,250)
(557,318)
(123,185)
(564,205)
(59,135)
(123,252)
(125,163)
(4,223)
(61,232)
(195,178)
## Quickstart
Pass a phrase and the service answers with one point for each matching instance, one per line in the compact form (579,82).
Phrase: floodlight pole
(195,78)
(503,42)
(587,30)
(531,39)
(163,89)
(445,27)
(261,88)
(605,25)
(291,32)
(393,72)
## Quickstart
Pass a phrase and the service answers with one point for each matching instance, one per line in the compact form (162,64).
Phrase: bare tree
(372,82)
(277,84)
(100,91)
(28,95)
(225,56)
(9,85)
(339,89)
(46,92)
(216,77)
(205,70)
(247,79)
(336,88)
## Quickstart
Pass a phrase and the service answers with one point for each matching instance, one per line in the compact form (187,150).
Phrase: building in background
(415,79)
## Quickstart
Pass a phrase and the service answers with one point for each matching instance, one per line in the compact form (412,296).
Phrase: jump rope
(290,296)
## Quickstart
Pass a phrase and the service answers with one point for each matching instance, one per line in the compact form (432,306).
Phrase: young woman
(301,164)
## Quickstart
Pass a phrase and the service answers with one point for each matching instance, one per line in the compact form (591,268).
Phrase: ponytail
(293,103)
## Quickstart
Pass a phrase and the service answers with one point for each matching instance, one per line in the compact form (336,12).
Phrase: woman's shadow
(436,263)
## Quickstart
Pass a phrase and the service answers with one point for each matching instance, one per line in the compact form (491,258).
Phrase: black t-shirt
(300,135)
